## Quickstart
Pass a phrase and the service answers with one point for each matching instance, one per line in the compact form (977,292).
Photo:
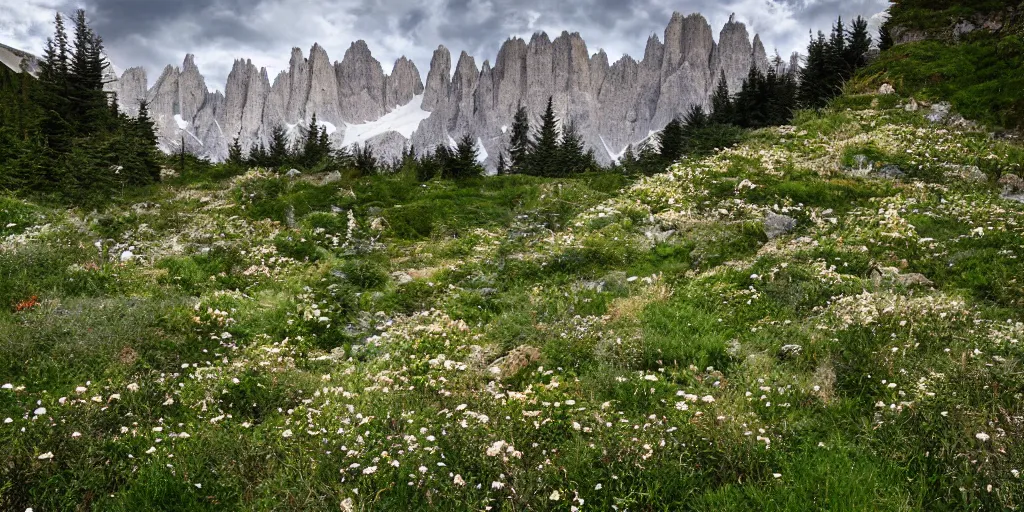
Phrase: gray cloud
(155,33)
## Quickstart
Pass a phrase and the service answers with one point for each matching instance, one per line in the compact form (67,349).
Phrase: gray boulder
(776,225)
(891,172)
(939,112)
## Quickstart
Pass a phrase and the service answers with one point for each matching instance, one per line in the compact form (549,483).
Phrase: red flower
(29,303)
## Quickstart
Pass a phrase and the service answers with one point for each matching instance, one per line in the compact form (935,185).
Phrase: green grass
(524,343)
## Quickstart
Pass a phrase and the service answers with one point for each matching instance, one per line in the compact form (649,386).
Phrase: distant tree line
(554,150)
(62,135)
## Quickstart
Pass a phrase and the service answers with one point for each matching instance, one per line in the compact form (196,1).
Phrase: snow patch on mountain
(481,151)
(182,124)
(329,127)
(404,120)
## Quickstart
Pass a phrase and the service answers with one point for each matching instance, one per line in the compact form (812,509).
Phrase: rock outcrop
(611,104)
(131,90)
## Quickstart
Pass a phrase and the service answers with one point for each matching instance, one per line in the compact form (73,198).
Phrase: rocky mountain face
(611,104)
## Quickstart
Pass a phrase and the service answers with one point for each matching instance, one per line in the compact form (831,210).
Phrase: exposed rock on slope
(612,104)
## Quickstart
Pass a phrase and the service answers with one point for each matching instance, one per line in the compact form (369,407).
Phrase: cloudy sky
(154,33)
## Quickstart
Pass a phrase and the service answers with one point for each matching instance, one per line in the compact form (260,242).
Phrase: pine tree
(696,118)
(543,159)
(502,164)
(235,153)
(572,158)
(628,160)
(52,96)
(323,145)
(310,155)
(89,106)
(649,157)
(365,160)
(884,38)
(721,102)
(278,155)
(814,82)
(343,157)
(858,44)
(258,156)
(670,141)
(145,132)
(465,160)
(520,144)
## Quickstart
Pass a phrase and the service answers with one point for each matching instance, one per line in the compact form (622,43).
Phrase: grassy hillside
(522,343)
(981,72)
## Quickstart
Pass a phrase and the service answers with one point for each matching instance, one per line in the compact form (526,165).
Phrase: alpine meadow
(710,279)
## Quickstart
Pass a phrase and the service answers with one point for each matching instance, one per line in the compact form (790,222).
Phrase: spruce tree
(543,159)
(857,46)
(145,132)
(519,145)
(462,163)
(365,161)
(310,155)
(278,151)
(53,95)
(721,102)
(342,157)
(235,153)
(89,107)
(258,156)
(502,164)
(649,157)
(670,141)
(572,157)
(884,38)
(628,160)
(814,81)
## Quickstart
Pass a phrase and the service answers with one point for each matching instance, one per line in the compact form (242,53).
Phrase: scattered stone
(478,356)
(289,217)
(914,279)
(401,277)
(515,361)
(331,177)
(656,235)
(939,112)
(789,351)
(293,173)
(968,173)
(126,256)
(891,172)
(886,89)
(1013,187)
(912,106)
(958,121)
(963,28)
(776,225)
(1012,184)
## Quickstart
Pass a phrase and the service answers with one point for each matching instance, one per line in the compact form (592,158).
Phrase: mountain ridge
(612,104)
